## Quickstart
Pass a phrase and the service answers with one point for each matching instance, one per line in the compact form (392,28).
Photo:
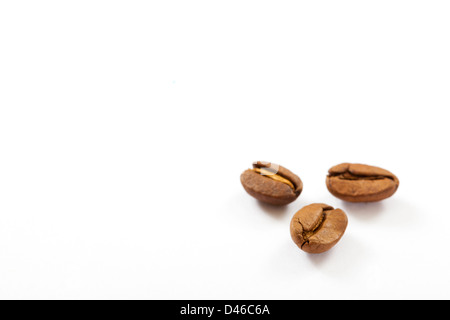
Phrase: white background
(125,126)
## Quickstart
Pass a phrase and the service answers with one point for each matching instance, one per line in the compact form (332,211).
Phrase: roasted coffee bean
(318,227)
(271,183)
(361,183)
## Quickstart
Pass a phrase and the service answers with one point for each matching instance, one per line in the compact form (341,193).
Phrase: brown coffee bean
(361,183)
(318,227)
(271,183)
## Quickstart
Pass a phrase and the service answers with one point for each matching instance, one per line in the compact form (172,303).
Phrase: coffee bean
(271,183)
(318,227)
(361,183)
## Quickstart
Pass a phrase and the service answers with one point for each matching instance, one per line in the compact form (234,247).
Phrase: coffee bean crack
(351,176)
(269,174)
(306,235)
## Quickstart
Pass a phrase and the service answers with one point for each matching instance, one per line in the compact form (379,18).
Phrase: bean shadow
(276,212)
(343,260)
(392,212)
(364,211)
(336,260)
(321,258)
